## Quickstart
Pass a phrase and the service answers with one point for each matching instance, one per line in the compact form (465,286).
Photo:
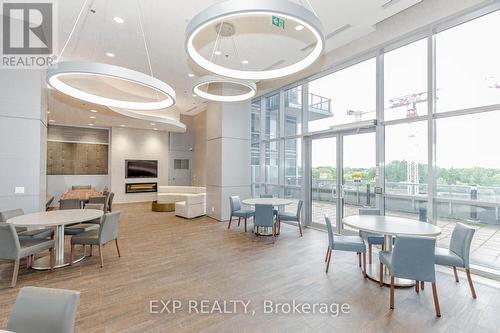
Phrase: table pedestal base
(265,231)
(43,264)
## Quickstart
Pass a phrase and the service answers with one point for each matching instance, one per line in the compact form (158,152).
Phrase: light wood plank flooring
(164,257)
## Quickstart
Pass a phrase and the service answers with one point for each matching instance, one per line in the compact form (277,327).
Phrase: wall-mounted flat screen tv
(141,169)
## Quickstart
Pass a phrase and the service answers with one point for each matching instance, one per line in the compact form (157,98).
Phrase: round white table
(268,201)
(57,219)
(275,202)
(390,226)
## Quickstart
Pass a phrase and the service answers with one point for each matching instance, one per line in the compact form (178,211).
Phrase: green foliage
(395,172)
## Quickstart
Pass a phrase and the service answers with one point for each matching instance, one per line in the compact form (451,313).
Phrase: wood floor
(164,257)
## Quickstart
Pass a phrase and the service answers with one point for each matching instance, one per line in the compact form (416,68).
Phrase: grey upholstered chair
(110,201)
(94,206)
(344,243)
(236,211)
(108,231)
(268,196)
(11,248)
(81,187)
(264,217)
(412,258)
(79,228)
(24,233)
(99,200)
(369,237)
(69,204)
(291,217)
(49,202)
(44,310)
(458,253)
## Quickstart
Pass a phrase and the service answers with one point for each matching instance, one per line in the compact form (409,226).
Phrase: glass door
(358,174)
(324,185)
(343,175)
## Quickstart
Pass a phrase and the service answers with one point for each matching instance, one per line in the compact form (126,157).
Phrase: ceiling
(164,23)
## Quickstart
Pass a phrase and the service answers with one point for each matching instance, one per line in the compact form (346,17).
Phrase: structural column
(23,140)
(228,156)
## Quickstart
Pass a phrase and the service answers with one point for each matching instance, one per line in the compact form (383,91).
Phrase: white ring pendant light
(110,85)
(248,86)
(225,11)
(91,70)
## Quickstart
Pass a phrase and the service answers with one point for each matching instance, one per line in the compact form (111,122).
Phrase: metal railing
(293,97)
(475,204)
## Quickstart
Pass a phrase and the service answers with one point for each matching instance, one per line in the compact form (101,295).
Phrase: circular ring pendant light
(91,70)
(109,85)
(210,79)
(226,10)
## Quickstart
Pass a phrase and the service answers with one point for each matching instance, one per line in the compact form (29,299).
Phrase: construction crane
(411,102)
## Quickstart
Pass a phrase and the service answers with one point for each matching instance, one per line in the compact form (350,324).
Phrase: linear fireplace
(141,187)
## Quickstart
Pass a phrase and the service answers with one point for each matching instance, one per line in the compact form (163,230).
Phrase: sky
(467,73)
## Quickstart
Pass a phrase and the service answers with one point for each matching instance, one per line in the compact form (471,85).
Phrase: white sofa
(190,201)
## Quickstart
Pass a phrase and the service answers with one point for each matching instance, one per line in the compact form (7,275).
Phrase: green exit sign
(278,22)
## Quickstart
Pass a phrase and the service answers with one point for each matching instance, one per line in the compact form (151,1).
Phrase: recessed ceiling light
(244,62)
(91,124)
(92,117)
(299,27)
(111,55)
(152,124)
(52,121)
(48,112)
(118,20)
(217,53)
(191,75)
(123,125)
(93,111)
(155,129)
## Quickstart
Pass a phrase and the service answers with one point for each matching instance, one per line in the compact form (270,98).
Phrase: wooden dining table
(83,195)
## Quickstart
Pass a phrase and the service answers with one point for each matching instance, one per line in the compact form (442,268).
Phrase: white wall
(23,135)
(137,144)
(58,184)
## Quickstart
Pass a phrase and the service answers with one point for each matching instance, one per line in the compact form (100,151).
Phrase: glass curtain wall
(440,114)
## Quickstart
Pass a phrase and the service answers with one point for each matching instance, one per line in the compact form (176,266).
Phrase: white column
(228,156)
(23,140)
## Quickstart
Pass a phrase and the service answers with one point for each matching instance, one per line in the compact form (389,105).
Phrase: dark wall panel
(64,158)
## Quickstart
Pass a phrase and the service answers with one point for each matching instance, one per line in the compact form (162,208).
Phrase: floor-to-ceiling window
(467,178)
(406,158)
(437,144)
(255,147)
(342,97)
